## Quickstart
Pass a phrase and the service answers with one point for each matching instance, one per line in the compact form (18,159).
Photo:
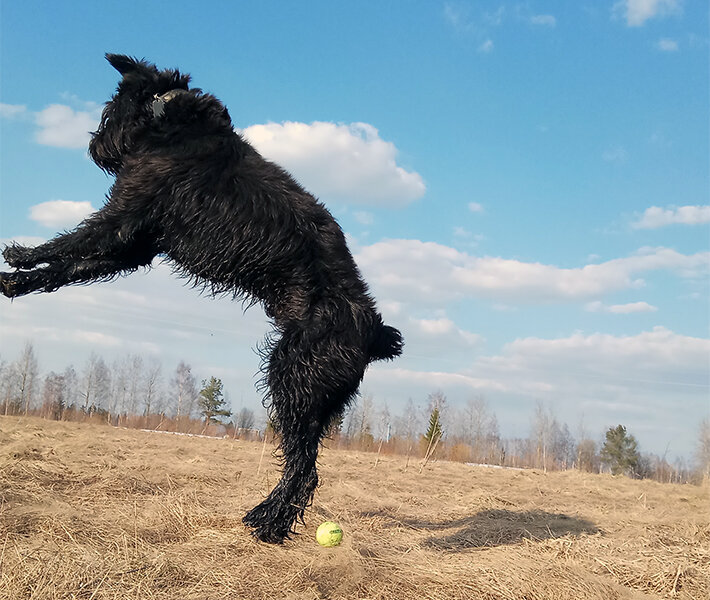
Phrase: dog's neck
(159,102)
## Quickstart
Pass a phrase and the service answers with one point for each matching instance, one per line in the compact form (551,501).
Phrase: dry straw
(92,512)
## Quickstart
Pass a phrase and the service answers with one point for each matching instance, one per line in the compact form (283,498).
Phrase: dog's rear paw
(263,526)
(269,535)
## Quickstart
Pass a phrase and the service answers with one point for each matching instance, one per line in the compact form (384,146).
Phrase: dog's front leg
(65,272)
(97,237)
(113,230)
(83,242)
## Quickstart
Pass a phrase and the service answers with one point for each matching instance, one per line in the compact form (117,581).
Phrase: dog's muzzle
(159,102)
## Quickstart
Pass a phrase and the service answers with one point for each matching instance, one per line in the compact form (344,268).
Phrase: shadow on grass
(489,528)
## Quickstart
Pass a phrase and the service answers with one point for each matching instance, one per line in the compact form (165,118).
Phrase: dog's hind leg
(311,376)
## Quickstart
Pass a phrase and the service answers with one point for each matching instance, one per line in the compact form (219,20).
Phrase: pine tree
(432,436)
(620,451)
(212,403)
(335,427)
(434,432)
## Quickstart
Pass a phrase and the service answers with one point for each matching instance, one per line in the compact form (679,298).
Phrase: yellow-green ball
(329,534)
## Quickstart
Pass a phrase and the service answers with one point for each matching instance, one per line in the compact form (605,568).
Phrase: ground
(94,512)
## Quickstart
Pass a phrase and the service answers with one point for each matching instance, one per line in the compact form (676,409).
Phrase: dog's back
(239,224)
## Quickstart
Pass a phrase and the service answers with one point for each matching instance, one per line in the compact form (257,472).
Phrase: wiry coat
(191,189)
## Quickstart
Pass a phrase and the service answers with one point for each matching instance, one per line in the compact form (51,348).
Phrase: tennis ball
(329,534)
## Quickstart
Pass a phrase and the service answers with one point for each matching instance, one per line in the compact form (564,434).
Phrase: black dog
(192,189)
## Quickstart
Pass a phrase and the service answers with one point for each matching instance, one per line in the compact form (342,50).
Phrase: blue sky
(524,185)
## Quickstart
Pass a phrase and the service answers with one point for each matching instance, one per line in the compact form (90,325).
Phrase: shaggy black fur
(190,188)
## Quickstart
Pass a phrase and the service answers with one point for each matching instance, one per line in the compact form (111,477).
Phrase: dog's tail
(386,342)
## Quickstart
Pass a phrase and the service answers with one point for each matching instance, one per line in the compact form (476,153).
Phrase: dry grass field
(94,512)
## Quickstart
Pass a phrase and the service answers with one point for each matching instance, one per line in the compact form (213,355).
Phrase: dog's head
(139,99)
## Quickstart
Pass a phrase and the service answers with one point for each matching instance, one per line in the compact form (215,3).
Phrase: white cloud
(12,111)
(346,163)
(486,47)
(64,127)
(667,45)
(430,380)
(543,20)
(434,340)
(95,339)
(466,238)
(637,12)
(495,18)
(623,357)
(444,328)
(655,216)
(615,154)
(475,207)
(59,125)
(620,309)
(640,380)
(60,213)
(457,17)
(433,273)
(363,217)
(601,366)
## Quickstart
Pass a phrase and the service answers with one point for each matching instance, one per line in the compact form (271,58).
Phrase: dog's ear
(122,63)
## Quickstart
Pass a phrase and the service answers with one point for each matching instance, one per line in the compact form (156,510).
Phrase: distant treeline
(134,392)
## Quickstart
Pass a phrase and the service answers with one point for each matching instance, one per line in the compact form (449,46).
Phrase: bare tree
(350,417)
(408,425)
(587,456)
(185,391)
(119,386)
(9,386)
(367,409)
(71,387)
(553,443)
(358,420)
(702,452)
(28,376)
(478,427)
(152,383)
(562,445)
(541,434)
(135,375)
(245,419)
(54,396)
(384,423)
(437,401)
(96,384)
(27,371)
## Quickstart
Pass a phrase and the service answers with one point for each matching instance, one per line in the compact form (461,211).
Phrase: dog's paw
(15,284)
(7,285)
(270,535)
(19,257)
(263,526)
